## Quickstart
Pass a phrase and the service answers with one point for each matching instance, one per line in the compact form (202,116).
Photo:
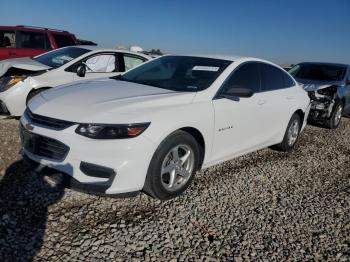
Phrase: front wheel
(336,116)
(291,135)
(173,166)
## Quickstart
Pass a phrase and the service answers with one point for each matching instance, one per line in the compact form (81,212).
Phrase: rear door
(32,43)
(7,44)
(277,97)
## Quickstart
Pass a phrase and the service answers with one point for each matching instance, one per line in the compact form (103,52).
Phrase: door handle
(290,97)
(12,53)
(261,102)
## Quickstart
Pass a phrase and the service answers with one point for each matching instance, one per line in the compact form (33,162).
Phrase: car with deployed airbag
(152,128)
(23,78)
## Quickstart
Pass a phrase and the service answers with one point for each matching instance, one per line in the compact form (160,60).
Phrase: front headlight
(8,82)
(106,131)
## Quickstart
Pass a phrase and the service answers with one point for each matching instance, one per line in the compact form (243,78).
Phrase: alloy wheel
(177,167)
(293,132)
(338,115)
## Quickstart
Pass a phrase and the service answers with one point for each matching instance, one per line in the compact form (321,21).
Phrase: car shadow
(25,197)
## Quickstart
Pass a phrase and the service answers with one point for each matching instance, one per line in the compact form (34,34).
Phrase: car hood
(313,85)
(106,101)
(21,63)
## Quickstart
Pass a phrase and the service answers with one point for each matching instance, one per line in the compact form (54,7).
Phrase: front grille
(47,122)
(43,146)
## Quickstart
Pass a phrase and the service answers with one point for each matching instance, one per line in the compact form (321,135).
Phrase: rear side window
(272,78)
(132,61)
(246,76)
(33,40)
(63,40)
(7,39)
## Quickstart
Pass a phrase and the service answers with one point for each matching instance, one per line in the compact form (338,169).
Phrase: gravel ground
(264,206)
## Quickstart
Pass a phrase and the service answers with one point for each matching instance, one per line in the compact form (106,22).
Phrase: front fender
(200,117)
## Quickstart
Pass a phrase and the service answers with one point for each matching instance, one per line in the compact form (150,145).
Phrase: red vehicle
(24,41)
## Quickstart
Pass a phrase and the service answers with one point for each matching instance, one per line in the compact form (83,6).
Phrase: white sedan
(23,78)
(153,127)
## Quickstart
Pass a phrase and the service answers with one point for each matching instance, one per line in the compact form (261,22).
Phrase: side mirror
(81,70)
(237,91)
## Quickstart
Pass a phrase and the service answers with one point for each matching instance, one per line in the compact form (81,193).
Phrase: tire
(334,121)
(32,94)
(291,135)
(158,182)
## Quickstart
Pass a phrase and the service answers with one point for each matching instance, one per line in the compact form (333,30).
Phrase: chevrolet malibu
(152,128)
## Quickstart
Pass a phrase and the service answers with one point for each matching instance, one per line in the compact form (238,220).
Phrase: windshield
(60,56)
(177,73)
(318,72)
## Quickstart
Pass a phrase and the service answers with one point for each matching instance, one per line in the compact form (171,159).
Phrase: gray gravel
(265,206)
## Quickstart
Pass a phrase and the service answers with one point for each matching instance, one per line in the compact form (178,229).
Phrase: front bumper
(3,109)
(320,112)
(128,159)
(69,182)
(14,99)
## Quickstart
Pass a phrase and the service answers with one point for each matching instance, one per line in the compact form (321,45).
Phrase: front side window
(7,39)
(318,72)
(177,73)
(63,40)
(33,40)
(272,78)
(103,63)
(61,56)
(245,76)
(132,61)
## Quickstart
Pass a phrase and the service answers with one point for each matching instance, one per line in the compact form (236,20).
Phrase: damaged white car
(23,78)
(328,85)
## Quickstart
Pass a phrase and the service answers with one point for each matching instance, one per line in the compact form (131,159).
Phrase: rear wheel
(334,121)
(291,135)
(173,166)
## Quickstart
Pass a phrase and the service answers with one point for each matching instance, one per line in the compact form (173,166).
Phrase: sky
(285,32)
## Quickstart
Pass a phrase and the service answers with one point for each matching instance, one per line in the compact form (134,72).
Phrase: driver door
(238,120)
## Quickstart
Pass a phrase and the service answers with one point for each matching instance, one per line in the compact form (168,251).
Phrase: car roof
(325,63)
(214,56)
(99,49)
(232,58)
(34,29)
